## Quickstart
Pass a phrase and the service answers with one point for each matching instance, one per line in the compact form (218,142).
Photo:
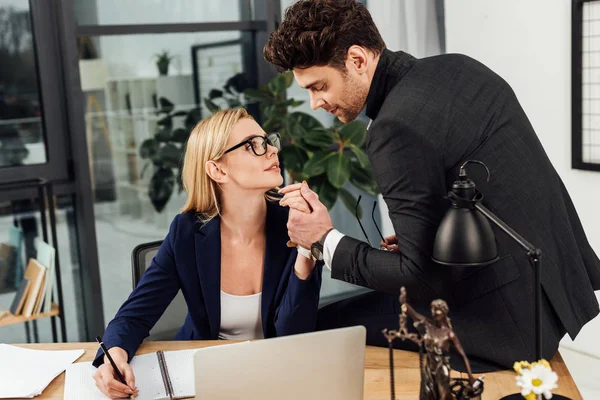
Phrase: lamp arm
(534,255)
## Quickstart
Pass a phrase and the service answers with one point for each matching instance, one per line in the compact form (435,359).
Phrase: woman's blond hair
(207,142)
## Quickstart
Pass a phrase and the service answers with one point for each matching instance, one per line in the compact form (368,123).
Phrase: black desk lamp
(465,238)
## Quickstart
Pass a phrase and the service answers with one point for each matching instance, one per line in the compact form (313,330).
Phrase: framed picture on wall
(585,90)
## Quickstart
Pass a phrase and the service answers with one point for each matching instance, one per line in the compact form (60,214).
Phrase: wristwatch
(317,247)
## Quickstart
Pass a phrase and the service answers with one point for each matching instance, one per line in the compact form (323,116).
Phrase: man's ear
(216,172)
(357,58)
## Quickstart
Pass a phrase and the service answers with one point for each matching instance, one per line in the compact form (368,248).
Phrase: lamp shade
(464,236)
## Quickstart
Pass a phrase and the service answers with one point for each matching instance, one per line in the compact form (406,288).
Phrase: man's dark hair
(320,32)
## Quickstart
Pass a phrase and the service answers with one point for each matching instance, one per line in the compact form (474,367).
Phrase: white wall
(529,44)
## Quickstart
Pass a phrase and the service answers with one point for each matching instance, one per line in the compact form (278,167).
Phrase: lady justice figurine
(434,338)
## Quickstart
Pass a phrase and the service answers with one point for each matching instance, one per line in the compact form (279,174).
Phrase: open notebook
(174,379)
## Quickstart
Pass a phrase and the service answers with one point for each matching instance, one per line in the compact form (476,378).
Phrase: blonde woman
(226,252)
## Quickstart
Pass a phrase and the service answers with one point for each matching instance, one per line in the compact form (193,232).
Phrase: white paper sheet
(25,373)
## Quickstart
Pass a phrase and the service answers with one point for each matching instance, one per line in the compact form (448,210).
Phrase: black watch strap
(322,240)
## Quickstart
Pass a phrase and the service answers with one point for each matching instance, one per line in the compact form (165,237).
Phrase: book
(159,376)
(7,262)
(29,371)
(35,273)
(15,239)
(20,296)
(46,255)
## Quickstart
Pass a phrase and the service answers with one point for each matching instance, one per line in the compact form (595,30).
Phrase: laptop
(323,365)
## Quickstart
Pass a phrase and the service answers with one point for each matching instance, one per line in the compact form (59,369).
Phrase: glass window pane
(21,128)
(124,96)
(125,12)
(20,228)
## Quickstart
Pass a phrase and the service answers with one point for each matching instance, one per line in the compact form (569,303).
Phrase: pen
(105,351)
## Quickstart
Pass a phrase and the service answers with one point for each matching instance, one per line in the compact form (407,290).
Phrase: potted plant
(163,59)
(328,158)
(165,150)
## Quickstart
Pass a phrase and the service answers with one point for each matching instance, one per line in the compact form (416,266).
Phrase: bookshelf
(15,319)
(45,198)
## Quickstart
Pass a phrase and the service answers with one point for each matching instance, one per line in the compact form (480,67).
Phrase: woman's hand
(390,243)
(293,199)
(106,377)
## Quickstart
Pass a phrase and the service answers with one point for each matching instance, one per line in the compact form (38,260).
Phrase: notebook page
(39,366)
(79,383)
(147,377)
(180,364)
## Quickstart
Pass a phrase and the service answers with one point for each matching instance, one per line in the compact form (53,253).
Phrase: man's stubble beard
(356,96)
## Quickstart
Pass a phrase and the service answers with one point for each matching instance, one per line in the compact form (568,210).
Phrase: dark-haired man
(428,117)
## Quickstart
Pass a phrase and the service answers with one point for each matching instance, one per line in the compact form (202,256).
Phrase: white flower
(538,379)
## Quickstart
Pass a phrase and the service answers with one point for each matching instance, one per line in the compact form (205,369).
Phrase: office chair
(174,316)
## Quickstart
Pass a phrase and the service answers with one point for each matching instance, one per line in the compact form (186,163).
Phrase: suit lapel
(275,258)
(208,261)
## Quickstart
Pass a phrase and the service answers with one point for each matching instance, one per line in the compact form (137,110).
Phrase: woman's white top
(240,317)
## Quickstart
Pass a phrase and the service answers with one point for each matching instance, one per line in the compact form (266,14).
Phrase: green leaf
(192,118)
(161,187)
(289,78)
(148,148)
(294,158)
(338,169)
(179,135)
(307,121)
(179,113)
(327,193)
(166,122)
(258,95)
(361,156)
(215,93)
(277,85)
(165,105)
(350,202)
(319,138)
(270,124)
(170,156)
(317,164)
(163,135)
(355,132)
(212,107)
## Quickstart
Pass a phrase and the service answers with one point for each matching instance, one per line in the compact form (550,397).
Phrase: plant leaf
(327,193)
(278,85)
(317,164)
(293,158)
(180,113)
(179,135)
(355,132)
(170,156)
(165,105)
(289,78)
(212,107)
(161,188)
(214,93)
(192,118)
(338,169)
(307,121)
(318,137)
(162,135)
(166,122)
(350,202)
(361,156)
(148,148)
(258,95)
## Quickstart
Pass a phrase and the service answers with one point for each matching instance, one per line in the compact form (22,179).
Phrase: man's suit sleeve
(410,173)
(146,304)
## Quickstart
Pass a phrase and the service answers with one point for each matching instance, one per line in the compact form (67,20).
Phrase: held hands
(305,228)
(106,377)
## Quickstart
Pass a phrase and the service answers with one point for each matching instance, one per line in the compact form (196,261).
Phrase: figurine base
(517,396)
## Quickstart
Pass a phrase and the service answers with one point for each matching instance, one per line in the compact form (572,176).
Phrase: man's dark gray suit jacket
(429,116)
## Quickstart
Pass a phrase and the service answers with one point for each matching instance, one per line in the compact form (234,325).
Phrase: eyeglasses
(373,218)
(258,144)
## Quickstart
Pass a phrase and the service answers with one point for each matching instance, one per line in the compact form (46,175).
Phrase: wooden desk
(377,376)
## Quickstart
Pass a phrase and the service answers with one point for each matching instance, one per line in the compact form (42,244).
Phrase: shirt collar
(391,68)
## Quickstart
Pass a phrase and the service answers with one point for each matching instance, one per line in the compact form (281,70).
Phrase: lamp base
(517,396)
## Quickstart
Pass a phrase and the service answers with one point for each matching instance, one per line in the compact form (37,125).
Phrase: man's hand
(303,228)
(106,377)
(390,243)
